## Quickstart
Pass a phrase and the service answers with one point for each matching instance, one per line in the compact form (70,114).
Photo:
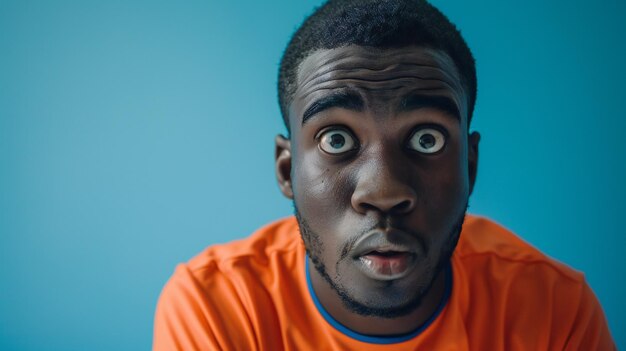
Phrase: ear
(283,165)
(472,158)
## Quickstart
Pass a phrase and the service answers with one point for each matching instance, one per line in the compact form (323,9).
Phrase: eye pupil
(427,141)
(337,141)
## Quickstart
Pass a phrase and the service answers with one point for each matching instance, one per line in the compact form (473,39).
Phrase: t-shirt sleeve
(179,322)
(191,316)
(590,330)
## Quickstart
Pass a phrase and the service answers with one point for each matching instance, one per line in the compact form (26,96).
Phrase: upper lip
(384,240)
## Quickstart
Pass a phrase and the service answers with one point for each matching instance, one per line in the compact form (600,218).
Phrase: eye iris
(427,141)
(337,141)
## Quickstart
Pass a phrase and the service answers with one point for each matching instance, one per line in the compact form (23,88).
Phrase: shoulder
(222,298)
(275,241)
(497,265)
(483,240)
(505,279)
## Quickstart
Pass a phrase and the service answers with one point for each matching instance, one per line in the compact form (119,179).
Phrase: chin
(390,299)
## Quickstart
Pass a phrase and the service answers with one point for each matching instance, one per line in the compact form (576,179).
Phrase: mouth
(381,259)
(386,265)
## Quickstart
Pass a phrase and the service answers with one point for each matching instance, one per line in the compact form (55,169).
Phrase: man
(378,97)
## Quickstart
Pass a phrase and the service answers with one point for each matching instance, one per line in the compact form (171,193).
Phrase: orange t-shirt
(253,294)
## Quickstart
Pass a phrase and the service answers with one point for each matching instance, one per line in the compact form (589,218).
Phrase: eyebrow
(347,99)
(416,101)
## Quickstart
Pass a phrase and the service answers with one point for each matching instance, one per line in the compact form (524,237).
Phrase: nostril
(386,196)
(367,207)
(370,201)
(402,207)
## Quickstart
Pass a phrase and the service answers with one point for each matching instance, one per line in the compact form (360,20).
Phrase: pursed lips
(385,241)
(386,254)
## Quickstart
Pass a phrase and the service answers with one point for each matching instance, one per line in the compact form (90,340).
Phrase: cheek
(322,195)
(321,190)
(443,186)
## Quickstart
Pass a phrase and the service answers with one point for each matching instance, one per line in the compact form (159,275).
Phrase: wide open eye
(427,140)
(336,141)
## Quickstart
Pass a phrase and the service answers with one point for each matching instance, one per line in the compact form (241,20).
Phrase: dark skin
(380,165)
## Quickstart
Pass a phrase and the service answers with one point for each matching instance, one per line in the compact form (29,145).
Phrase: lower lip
(386,267)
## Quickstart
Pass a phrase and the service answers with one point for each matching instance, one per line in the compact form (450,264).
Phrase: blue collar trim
(380,339)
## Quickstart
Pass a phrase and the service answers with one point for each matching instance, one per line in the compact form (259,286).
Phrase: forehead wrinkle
(357,53)
(378,85)
(347,65)
(379,70)
(354,56)
(393,71)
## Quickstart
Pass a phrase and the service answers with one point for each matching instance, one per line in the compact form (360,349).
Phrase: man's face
(380,167)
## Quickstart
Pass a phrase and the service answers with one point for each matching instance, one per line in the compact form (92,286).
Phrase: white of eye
(427,140)
(336,141)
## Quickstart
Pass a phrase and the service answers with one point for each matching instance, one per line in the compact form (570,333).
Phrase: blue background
(135,133)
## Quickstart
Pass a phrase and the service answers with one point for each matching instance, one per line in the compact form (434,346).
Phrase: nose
(383,185)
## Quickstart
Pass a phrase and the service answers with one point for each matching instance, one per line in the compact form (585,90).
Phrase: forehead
(381,77)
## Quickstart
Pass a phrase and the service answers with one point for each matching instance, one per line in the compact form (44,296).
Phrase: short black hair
(382,24)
